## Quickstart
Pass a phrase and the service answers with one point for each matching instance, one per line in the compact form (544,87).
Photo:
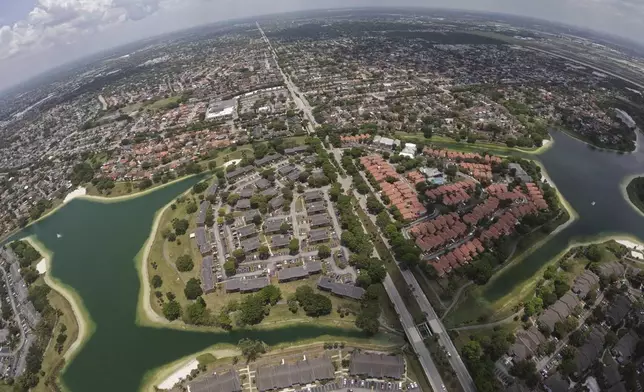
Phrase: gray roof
(612,268)
(556,383)
(226,382)
(270,192)
(520,173)
(626,345)
(296,150)
(207,281)
(247,230)
(276,202)
(320,220)
(249,215)
(315,208)
(611,371)
(584,283)
(203,211)
(202,241)
(212,189)
(247,285)
(589,352)
(262,183)
(618,309)
(243,204)
(300,373)
(239,172)
(279,241)
(294,175)
(319,235)
(246,193)
(300,272)
(377,365)
(273,225)
(284,170)
(251,244)
(313,195)
(340,289)
(267,159)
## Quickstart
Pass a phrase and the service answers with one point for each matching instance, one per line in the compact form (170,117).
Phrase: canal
(95,256)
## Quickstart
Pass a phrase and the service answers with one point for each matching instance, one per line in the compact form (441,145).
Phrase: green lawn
(163,103)
(449,143)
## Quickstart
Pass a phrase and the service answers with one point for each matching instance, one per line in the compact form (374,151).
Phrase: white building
(409,150)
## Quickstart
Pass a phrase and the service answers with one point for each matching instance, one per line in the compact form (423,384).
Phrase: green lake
(95,256)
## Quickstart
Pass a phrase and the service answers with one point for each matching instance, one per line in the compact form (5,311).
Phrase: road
(414,337)
(454,358)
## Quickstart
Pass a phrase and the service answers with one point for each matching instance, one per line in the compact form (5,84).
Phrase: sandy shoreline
(80,191)
(85,326)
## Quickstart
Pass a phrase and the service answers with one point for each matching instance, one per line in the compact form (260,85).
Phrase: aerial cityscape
(338,200)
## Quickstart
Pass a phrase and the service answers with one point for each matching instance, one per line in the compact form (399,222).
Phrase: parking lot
(358,385)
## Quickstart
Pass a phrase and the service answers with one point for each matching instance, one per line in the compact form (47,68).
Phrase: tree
(285,227)
(294,246)
(224,321)
(197,313)
(270,294)
(472,351)
(324,252)
(184,263)
(610,339)
(193,289)
(264,252)
(180,226)
(191,208)
(251,349)
(427,132)
(157,281)
(172,310)
(373,205)
(292,304)
(230,267)
(594,253)
(239,254)
(252,310)
(232,199)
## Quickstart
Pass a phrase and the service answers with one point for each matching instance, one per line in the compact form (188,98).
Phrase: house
(313,196)
(590,351)
(246,193)
(250,245)
(207,280)
(246,285)
(276,202)
(409,150)
(611,371)
(520,173)
(286,375)
(280,241)
(294,175)
(243,204)
(296,150)
(379,366)
(625,346)
(316,208)
(234,175)
(585,283)
(340,289)
(284,170)
(267,159)
(247,231)
(301,272)
(212,190)
(270,192)
(320,220)
(556,383)
(318,235)
(224,382)
(263,184)
(612,268)
(617,310)
(203,212)
(202,241)
(273,225)
(250,215)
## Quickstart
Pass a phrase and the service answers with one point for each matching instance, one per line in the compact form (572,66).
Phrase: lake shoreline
(85,325)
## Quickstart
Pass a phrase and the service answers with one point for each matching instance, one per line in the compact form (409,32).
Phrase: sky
(37,35)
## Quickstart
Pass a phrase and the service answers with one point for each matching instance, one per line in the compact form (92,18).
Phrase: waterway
(590,180)
(94,255)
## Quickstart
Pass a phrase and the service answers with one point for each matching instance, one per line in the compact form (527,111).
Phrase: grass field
(449,143)
(163,103)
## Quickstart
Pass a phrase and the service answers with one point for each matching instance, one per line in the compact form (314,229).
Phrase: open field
(449,143)
(163,103)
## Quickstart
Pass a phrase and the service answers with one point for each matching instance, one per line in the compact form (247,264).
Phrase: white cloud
(54,22)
